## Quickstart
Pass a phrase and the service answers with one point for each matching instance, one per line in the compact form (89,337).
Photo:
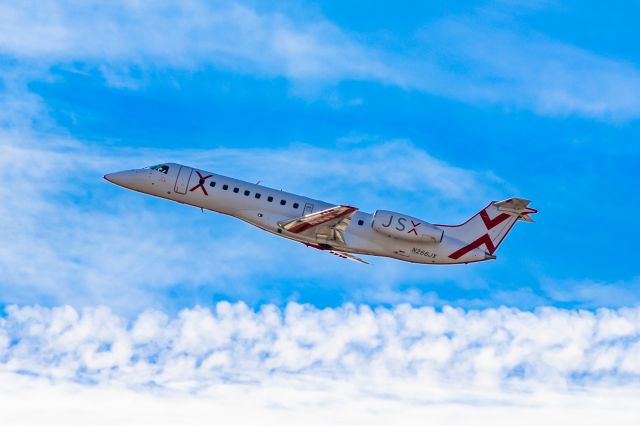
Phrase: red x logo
(415,225)
(484,239)
(201,183)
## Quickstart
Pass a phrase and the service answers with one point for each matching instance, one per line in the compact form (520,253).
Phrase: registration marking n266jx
(422,252)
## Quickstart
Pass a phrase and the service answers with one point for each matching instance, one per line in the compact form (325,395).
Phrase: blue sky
(505,94)
(535,99)
(433,109)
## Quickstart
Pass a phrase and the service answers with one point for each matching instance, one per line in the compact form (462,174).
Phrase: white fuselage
(266,207)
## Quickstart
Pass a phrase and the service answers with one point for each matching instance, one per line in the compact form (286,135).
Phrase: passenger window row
(257,195)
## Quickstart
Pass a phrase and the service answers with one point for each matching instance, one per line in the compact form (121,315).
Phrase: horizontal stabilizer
(516,206)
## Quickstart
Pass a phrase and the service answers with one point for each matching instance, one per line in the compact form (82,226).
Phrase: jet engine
(397,225)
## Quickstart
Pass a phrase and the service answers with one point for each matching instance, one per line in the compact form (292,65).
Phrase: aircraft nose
(126,178)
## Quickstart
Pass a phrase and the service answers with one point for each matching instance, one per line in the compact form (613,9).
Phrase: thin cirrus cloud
(347,360)
(99,243)
(372,164)
(185,34)
(586,292)
(471,58)
(531,70)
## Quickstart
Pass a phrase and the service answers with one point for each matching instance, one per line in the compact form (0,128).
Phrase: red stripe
(477,243)
(492,223)
(485,239)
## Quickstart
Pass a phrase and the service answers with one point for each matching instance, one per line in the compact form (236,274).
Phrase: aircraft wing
(328,224)
(342,254)
(349,256)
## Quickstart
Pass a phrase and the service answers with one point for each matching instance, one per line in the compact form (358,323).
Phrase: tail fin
(489,226)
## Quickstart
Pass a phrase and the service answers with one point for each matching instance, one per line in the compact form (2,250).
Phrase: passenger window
(361,222)
(283,202)
(296,205)
(269,198)
(257,195)
(212,184)
(246,193)
(236,189)
(225,187)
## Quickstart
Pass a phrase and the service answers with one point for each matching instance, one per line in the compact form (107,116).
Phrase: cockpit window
(162,168)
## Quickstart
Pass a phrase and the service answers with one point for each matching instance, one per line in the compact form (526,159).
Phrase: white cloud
(479,58)
(584,292)
(493,348)
(185,34)
(394,165)
(496,64)
(356,362)
(299,399)
(101,244)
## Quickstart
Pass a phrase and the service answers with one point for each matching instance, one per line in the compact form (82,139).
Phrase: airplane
(342,230)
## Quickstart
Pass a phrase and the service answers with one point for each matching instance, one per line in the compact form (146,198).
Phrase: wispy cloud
(408,358)
(374,166)
(476,58)
(584,292)
(494,63)
(185,34)
(98,243)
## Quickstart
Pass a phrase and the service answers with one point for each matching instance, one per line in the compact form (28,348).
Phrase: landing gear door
(308,209)
(182,182)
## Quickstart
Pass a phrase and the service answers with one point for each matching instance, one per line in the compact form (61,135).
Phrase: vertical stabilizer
(488,228)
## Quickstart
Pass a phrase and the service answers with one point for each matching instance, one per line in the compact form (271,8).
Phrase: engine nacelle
(397,225)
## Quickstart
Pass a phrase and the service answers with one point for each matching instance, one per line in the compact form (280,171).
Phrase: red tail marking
(492,223)
(415,225)
(484,239)
(201,183)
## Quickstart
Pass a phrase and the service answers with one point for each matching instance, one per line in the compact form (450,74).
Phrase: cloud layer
(492,348)
(353,363)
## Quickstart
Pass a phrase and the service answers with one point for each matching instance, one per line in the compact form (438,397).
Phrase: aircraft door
(308,209)
(182,182)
